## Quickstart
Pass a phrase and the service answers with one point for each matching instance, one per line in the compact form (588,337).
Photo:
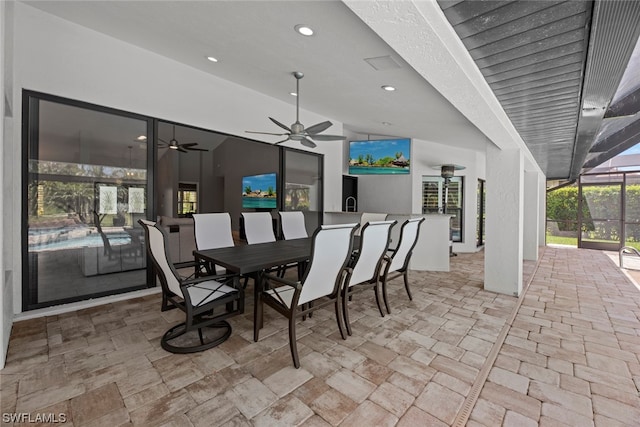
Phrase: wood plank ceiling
(548,65)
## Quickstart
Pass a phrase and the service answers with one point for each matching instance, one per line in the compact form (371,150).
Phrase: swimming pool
(65,241)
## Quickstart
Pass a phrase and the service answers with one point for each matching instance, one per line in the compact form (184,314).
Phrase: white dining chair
(258,227)
(397,260)
(292,224)
(374,242)
(206,301)
(213,231)
(330,254)
(366,217)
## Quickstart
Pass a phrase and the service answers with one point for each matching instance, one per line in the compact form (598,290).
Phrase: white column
(531,212)
(542,205)
(504,221)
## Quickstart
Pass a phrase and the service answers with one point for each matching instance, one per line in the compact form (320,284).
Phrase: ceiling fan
(173,144)
(297,132)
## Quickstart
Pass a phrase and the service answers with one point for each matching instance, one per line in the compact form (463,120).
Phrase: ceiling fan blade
(163,141)
(190,146)
(266,133)
(280,142)
(195,149)
(308,143)
(182,150)
(319,127)
(285,127)
(328,137)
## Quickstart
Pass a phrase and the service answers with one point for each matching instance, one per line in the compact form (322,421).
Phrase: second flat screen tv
(259,191)
(379,157)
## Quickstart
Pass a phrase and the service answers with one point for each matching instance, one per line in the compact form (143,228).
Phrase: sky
(380,148)
(260,182)
(633,150)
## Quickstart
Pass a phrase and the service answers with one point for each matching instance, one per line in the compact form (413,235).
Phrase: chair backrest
(212,230)
(370,217)
(158,250)
(374,241)
(292,224)
(330,252)
(408,238)
(258,227)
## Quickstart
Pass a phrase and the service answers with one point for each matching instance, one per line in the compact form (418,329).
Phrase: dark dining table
(253,260)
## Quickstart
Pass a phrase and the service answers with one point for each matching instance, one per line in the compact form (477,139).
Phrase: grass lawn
(573,241)
(559,240)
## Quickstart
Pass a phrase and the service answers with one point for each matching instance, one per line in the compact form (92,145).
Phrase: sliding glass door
(303,190)
(85,186)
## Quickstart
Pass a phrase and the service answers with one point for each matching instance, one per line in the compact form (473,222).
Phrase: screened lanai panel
(632,210)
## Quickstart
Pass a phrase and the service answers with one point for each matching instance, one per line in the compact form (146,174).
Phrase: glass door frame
(283,176)
(30,142)
(607,246)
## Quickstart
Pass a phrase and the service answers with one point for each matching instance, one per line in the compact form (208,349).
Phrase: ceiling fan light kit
(297,131)
(173,144)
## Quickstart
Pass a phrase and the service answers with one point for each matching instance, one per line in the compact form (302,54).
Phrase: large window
(441,197)
(187,199)
(85,187)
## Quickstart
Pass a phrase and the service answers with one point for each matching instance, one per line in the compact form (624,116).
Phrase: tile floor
(571,356)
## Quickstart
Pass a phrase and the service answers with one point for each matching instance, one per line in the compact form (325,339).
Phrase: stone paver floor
(570,357)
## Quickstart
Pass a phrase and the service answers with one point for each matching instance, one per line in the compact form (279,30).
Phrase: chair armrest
(222,278)
(284,281)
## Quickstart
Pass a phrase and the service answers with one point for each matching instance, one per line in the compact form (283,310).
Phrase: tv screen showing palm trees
(259,191)
(379,157)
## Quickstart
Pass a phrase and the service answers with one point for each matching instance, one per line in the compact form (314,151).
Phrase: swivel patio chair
(292,224)
(206,301)
(212,231)
(397,260)
(330,254)
(366,264)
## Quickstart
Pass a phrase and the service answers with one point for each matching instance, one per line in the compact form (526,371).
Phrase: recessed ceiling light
(386,123)
(141,138)
(388,88)
(212,58)
(304,30)
(293,94)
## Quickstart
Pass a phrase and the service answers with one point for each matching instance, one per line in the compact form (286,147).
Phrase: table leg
(257,305)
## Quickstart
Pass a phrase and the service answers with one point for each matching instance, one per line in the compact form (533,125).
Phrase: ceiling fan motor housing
(297,129)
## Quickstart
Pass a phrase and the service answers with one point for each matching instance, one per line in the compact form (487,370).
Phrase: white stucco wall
(387,193)
(5,289)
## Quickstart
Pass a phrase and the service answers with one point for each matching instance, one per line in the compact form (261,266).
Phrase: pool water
(90,240)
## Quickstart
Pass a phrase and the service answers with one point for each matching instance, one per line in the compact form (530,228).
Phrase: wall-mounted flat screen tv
(259,191)
(380,157)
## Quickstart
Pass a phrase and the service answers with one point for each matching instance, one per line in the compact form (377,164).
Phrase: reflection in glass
(303,186)
(86,189)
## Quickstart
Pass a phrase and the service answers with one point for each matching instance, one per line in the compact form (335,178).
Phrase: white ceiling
(258,48)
